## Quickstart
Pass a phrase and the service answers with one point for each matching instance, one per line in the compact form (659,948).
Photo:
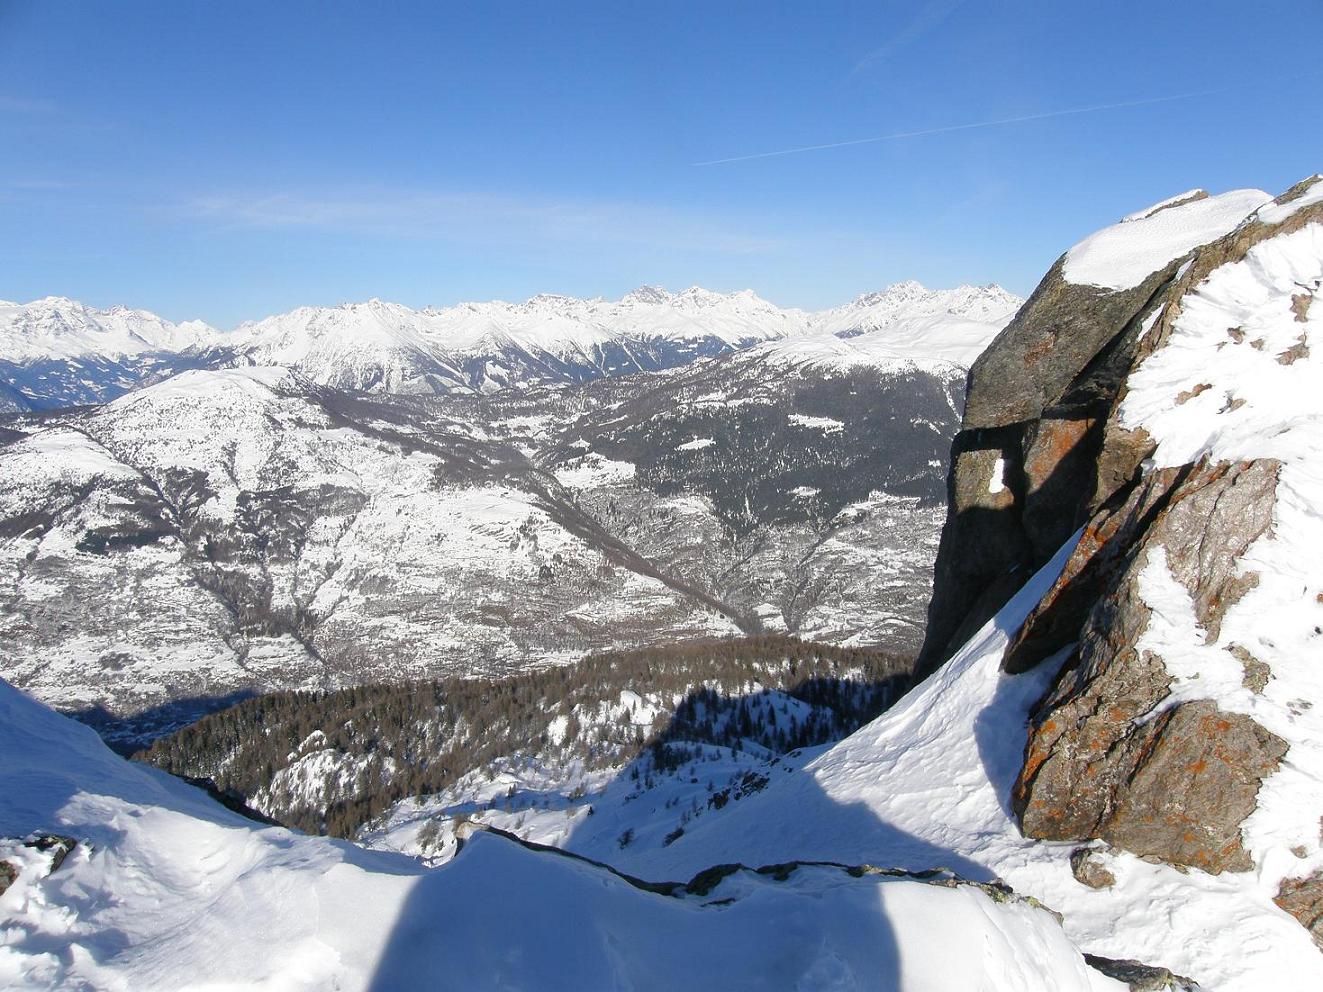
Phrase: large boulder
(1164,425)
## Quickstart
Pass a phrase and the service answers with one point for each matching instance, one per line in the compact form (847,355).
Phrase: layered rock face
(1156,404)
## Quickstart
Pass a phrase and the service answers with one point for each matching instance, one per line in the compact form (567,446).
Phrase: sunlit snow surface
(928,784)
(378,345)
(1124,255)
(1239,336)
(168,891)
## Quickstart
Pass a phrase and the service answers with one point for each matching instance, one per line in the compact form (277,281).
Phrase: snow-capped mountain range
(1129,736)
(56,352)
(56,327)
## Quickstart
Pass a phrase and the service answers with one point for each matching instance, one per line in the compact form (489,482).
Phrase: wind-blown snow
(1124,255)
(167,891)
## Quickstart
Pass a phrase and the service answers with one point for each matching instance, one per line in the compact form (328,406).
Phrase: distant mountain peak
(647,295)
(378,345)
(55,327)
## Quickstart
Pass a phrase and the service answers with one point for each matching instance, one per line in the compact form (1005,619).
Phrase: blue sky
(231,160)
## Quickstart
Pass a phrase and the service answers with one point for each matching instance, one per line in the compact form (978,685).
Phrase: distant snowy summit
(56,352)
(59,328)
(486,347)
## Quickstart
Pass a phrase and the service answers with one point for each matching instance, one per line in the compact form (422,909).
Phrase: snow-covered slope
(164,890)
(485,347)
(881,351)
(915,323)
(929,783)
(233,529)
(243,529)
(372,345)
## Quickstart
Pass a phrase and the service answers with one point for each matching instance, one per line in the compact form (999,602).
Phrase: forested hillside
(331,761)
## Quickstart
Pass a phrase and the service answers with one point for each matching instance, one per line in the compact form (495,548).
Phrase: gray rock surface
(1303,899)
(1141,977)
(1086,864)
(1037,404)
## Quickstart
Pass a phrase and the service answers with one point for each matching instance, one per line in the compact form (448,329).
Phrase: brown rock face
(1044,397)
(1101,760)
(1205,517)
(1197,780)
(1110,754)
(1303,899)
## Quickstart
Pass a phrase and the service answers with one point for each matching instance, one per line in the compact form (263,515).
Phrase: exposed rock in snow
(929,782)
(1190,613)
(1128,784)
(1175,635)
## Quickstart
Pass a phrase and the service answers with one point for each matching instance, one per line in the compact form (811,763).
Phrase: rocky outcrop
(58,846)
(1040,449)
(1303,899)
(1177,787)
(1160,730)
(1139,977)
(8,875)
(1024,466)
(1087,866)
(1105,757)
(18,861)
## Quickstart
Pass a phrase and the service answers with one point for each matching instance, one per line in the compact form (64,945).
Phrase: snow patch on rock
(1124,255)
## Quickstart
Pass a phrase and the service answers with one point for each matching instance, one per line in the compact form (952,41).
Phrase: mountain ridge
(56,352)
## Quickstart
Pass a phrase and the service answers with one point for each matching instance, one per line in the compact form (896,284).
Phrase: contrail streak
(1069,112)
